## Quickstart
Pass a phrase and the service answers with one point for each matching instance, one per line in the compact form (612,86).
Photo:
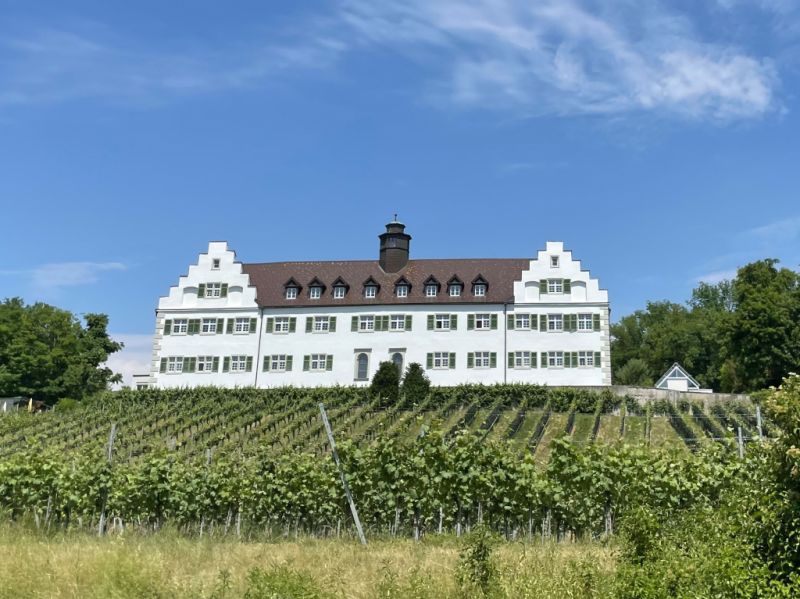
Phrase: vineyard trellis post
(349,495)
(109,453)
(758,423)
(740,442)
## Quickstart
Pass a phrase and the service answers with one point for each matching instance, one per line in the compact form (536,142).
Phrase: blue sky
(658,140)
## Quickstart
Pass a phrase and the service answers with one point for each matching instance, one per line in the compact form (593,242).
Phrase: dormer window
(370,291)
(454,290)
(291,293)
(479,290)
(315,292)
(339,292)
(431,289)
(402,290)
(215,264)
(553,261)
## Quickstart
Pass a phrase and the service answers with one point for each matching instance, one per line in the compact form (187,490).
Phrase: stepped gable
(499,274)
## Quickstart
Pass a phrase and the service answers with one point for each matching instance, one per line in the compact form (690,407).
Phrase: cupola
(394,247)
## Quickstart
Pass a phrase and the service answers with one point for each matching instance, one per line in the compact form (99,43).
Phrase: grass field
(169,565)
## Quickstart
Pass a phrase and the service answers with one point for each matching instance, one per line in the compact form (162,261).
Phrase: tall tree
(46,353)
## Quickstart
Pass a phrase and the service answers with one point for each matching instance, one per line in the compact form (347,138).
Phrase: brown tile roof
(499,273)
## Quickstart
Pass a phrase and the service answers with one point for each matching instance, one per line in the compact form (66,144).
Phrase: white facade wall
(344,345)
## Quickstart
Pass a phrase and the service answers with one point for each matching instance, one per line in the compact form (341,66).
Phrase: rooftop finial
(395,217)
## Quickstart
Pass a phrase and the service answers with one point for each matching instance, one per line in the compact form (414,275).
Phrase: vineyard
(524,460)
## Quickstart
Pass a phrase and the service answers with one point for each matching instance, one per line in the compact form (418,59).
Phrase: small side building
(677,379)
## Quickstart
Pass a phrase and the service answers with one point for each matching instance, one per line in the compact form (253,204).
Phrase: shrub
(386,383)
(635,373)
(416,385)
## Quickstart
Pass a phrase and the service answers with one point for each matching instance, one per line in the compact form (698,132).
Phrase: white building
(541,320)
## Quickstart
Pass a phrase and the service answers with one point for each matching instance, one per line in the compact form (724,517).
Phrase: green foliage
(416,385)
(46,353)
(635,373)
(386,383)
(476,568)
(279,582)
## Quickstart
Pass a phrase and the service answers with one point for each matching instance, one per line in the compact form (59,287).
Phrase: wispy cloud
(716,277)
(54,276)
(785,229)
(134,358)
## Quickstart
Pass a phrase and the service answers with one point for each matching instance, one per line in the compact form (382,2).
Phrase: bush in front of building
(416,384)
(386,383)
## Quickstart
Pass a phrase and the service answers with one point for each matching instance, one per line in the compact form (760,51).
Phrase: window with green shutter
(470,359)
(201,290)
(226,364)
(167,327)
(470,322)
(188,364)
(408,322)
(428,361)
(430,323)
(329,362)
(354,324)
(453,322)
(332,324)
(309,323)
(163,367)
(223,292)
(452,361)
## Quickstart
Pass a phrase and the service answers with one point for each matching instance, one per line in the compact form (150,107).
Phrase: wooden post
(758,423)
(109,453)
(349,495)
(741,443)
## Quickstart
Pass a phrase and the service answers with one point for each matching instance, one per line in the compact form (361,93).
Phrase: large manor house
(232,324)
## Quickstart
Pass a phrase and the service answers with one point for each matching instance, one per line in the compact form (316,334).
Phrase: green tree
(636,373)
(416,385)
(386,383)
(46,353)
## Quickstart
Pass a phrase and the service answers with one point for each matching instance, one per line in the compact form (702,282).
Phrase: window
(555,286)
(241,325)
(278,362)
(555,322)
(431,290)
(483,322)
(366,324)
(174,364)
(339,292)
(442,322)
(454,290)
(238,363)
(322,324)
(397,360)
(555,359)
(281,324)
(553,261)
(441,359)
(522,359)
(317,362)
(315,292)
(585,322)
(291,293)
(585,358)
(362,367)
(370,291)
(402,290)
(479,290)
(209,325)
(397,322)
(482,359)
(205,364)
(213,290)
(215,264)
(180,326)
(522,321)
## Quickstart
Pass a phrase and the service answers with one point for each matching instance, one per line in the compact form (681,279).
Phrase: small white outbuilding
(677,379)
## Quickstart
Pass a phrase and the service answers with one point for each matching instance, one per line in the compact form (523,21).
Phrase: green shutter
(354,324)
(574,359)
(386,323)
(493,360)
(533,359)
(430,322)
(167,327)
(429,361)
(220,326)
(470,360)
(543,360)
(292,324)
(194,326)
(223,292)
(270,326)
(188,365)
(163,367)
(229,326)
(470,322)
(309,323)
(214,364)
(510,322)
(493,322)
(567,286)
(248,364)
(453,322)
(542,321)
(408,322)
(511,359)
(288,363)
(306,362)
(329,362)
(253,325)
(266,364)
(201,290)
(226,364)
(452,360)
(332,324)
(596,322)
(597,359)
(543,287)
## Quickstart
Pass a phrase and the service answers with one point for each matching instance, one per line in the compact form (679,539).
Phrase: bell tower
(394,247)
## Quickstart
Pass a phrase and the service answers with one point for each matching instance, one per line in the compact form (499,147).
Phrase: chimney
(394,247)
